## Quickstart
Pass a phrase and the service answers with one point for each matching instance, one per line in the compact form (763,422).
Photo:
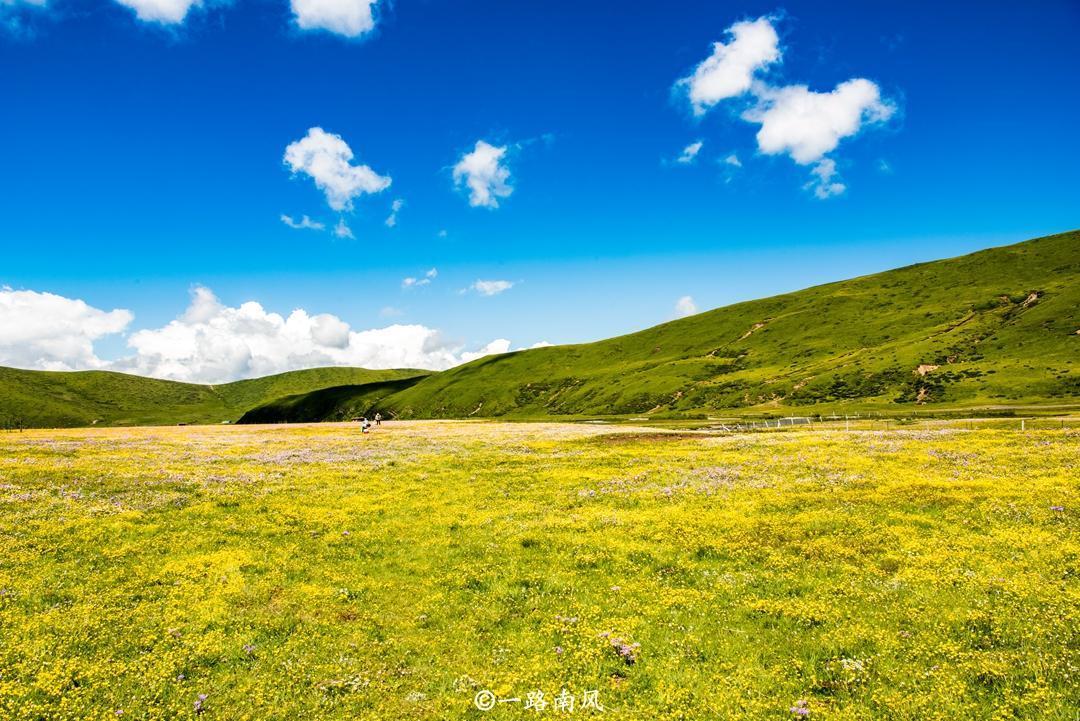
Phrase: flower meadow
(314,572)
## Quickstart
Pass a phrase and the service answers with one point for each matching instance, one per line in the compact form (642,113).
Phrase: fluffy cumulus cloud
(327,159)
(794,120)
(212,342)
(412,282)
(729,72)
(690,153)
(806,125)
(350,18)
(485,174)
(685,306)
(305,223)
(490,287)
(50,332)
(499,345)
(166,12)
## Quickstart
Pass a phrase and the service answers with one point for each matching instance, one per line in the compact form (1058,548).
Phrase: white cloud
(213,343)
(733,161)
(442,233)
(305,223)
(50,332)
(806,125)
(794,120)
(341,230)
(499,345)
(685,306)
(729,71)
(824,181)
(491,287)
(689,153)
(351,18)
(326,158)
(484,174)
(411,282)
(166,12)
(397,205)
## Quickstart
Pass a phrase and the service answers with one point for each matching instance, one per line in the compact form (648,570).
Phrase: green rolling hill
(997,327)
(340,403)
(62,399)
(1000,327)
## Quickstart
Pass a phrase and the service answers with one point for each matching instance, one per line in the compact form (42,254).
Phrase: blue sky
(146,158)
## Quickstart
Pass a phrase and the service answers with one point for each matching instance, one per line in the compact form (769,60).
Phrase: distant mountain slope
(997,326)
(340,403)
(43,398)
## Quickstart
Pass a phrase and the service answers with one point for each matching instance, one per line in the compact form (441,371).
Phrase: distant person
(365,425)
(378,419)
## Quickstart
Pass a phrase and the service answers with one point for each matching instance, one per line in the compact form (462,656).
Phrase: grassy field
(310,572)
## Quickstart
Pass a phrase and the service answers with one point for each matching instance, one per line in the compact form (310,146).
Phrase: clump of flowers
(627,651)
(800,709)
(200,703)
(845,673)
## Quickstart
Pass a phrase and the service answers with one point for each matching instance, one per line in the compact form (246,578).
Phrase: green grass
(311,572)
(62,399)
(339,403)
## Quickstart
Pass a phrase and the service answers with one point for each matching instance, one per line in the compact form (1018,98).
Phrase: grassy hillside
(57,399)
(340,403)
(995,327)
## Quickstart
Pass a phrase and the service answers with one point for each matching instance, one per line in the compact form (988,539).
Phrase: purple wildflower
(800,709)
(249,648)
(1059,509)
(627,651)
(199,703)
